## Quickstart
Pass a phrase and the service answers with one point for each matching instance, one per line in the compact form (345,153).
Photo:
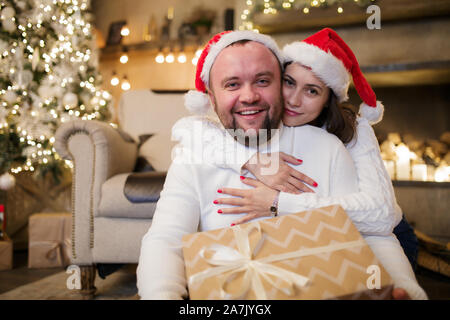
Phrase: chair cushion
(157,150)
(143,112)
(146,112)
(114,204)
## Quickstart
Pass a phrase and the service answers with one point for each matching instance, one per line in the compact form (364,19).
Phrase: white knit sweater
(373,209)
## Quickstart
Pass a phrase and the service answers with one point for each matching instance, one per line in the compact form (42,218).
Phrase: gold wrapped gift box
(49,240)
(316,254)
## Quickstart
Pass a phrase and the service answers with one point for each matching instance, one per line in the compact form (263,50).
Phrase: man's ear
(211,98)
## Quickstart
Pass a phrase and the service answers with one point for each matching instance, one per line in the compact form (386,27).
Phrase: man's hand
(286,179)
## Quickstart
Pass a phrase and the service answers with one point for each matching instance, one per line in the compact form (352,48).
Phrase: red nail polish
(216,202)
(232,224)
(242,177)
(300,160)
(219,211)
(315,184)
(219,191)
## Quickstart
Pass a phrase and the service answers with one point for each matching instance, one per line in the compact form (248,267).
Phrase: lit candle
(403,162)
(430,172)
(441,174)
(419,172)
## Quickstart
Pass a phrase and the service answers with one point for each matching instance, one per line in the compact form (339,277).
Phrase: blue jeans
(408,240)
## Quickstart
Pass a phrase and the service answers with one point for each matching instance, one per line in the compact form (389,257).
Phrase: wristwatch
(274,207)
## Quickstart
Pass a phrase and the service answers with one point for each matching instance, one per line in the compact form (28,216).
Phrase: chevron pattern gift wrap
(315,254)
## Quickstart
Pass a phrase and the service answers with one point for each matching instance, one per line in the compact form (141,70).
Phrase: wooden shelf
(406,74)
(421,184)
(411,66)
(114,51)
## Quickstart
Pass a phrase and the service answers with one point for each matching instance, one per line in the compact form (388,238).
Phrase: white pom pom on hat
(197,101)
(373,115)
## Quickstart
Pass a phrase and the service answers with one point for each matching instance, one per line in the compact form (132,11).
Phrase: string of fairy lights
(272,7)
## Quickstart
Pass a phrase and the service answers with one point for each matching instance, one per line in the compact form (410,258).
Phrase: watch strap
(274,207)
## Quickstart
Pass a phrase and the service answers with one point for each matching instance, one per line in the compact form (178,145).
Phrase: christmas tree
(48,75)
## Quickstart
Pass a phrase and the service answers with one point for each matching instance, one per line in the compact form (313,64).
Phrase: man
(242,80)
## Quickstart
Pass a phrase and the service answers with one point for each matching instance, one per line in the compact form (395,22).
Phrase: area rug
(120,285)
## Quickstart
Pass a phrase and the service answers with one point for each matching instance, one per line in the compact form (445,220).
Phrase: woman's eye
(288,82)
(313,92)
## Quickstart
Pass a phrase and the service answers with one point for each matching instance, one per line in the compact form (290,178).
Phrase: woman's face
(305,95)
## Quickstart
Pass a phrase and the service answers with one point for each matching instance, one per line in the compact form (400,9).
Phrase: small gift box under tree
(49,240)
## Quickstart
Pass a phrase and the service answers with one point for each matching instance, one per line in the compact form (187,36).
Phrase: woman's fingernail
(219,191)
(233,224)
(242,177)
(315,184)
(216,202)
(300,160)
(219,211)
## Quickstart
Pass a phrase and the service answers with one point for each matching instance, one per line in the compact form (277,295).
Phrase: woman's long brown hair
(339,119)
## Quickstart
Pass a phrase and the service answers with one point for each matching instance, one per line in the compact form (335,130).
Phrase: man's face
(245,87)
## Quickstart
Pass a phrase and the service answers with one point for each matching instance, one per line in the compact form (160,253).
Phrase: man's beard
(264,133)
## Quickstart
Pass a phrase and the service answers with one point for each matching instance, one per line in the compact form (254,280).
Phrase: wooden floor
(435,285)
(21,274)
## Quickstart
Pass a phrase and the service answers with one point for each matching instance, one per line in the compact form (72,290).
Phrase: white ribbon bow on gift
(228,259)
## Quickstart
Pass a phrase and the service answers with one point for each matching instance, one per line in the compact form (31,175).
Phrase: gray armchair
(108,225)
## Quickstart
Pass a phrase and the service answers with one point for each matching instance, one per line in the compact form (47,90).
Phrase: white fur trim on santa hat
(325,65)
(196,102)
(233,37)
(373,115)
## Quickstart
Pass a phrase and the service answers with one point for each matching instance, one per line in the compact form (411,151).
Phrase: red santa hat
(197,101)
(332,60)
